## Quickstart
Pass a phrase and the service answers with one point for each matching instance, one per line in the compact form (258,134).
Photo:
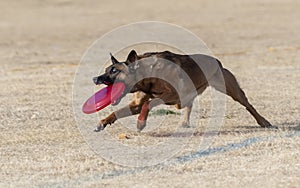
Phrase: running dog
(167,78)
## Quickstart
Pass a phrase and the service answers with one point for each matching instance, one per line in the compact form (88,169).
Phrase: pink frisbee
(103,98)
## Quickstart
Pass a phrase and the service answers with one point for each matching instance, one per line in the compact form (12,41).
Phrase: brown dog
(184,78)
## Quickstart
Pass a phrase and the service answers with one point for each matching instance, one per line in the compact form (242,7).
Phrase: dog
(142,75)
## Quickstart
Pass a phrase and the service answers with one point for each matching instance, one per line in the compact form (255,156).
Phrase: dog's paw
(265,124)
(271,126)
(99,128)
(140,125)
(185,124)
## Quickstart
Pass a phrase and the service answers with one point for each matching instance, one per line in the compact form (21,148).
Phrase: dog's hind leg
(233,89)
(188,107)
(134,107)
(187,114)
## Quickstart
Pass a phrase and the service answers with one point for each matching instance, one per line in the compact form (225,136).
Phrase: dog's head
(119,72)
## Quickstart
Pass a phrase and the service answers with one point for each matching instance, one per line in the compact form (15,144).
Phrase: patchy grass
(162,112)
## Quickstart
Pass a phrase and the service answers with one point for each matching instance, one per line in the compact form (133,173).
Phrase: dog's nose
(95,80)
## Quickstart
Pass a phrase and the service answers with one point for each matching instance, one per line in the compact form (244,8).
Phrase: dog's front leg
(133,108)
(129,110)
(104,122)
(147,106)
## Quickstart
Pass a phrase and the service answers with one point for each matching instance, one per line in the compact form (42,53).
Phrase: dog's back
(199,67)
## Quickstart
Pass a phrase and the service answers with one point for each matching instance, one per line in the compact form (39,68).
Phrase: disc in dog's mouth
(117,101)
(116,98)
(112,94)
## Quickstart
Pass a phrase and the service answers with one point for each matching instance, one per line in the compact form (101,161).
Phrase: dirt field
(42,42)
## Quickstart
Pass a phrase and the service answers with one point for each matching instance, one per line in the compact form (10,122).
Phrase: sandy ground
(42,43)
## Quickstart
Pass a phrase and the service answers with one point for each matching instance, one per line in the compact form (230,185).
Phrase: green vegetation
(161,112)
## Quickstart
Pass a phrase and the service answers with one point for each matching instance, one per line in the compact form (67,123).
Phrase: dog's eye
(114,70)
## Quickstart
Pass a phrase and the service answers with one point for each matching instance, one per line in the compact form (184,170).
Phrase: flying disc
(103,98)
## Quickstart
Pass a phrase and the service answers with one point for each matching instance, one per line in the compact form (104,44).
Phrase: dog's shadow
(290,126)
(237,130)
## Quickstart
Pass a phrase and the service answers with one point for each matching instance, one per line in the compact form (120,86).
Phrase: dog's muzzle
(95,80)
(102,79)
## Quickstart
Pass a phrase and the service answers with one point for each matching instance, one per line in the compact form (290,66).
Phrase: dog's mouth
(105,80)
(102,80)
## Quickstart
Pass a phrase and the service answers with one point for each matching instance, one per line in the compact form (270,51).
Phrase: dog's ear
(132,57)
(113,59)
